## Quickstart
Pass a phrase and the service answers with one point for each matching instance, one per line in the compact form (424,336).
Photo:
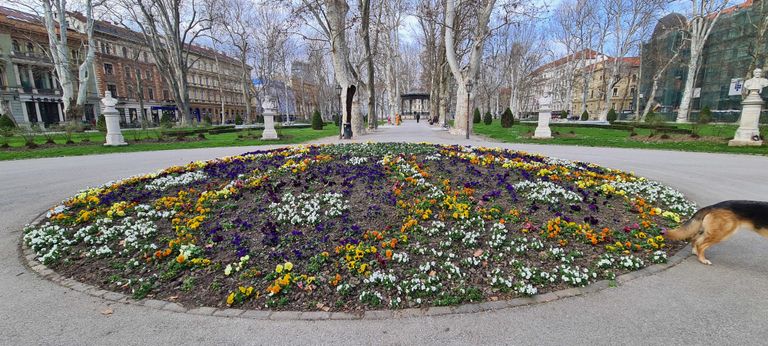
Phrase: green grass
(597,137)
(96,145)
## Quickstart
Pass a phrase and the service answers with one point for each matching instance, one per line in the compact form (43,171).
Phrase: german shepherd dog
(715,223)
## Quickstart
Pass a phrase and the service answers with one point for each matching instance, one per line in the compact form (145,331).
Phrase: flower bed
(360,226)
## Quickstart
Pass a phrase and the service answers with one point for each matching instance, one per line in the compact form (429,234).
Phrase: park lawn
(96,145)
(715,138)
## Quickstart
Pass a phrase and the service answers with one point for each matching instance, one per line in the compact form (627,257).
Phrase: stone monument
(748,133)
(112,119)
(270,110)
(545,114)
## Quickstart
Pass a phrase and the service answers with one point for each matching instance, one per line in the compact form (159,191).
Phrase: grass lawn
(714,138)
(149,137)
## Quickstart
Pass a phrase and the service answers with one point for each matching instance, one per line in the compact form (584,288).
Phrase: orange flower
(388,253)
(180,258)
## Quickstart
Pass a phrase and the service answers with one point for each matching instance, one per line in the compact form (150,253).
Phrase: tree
(660,55)
(236,20)
(476,116)
(169,28)
(507,119)
(611,116)
(585,115)
(487,118)
(629,21)
(331,17)
(317,120)
(55,18)
(481,14)
(704,16)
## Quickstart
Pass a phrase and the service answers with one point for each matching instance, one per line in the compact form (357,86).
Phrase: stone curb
(28,259)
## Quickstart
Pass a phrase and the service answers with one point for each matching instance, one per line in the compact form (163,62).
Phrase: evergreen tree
(101,123)
(476,116)
(585,115)
(487,118)
(612,116)
(317,121)
(507,119)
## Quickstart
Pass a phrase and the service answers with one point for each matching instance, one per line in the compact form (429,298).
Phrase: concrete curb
(27,258)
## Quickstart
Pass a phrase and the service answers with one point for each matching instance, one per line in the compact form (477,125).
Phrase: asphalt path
(687,304)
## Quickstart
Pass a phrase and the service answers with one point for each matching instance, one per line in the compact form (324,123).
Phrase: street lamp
(338,95)
(468,86)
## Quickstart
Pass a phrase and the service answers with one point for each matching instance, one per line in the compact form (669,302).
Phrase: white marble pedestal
(748,129)
(112,119)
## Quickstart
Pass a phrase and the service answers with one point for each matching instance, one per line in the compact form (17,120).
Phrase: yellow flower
(288,266)
(231,298)
(279,268)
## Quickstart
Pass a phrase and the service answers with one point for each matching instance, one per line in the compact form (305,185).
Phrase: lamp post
(468,86)
(338,96)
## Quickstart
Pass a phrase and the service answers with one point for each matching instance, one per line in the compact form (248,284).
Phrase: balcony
(31,56)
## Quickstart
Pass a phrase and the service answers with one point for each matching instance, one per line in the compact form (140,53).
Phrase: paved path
(688,304)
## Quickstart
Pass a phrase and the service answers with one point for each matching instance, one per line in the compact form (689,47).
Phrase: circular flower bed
(360,226)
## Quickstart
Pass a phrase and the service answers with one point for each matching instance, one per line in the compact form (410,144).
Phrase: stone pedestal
(545,115)
(270,110)
(112,119)
(748,129)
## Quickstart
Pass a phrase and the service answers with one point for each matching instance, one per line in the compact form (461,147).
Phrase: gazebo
(413,103)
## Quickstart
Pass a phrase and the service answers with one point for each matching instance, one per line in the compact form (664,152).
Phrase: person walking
(418,116)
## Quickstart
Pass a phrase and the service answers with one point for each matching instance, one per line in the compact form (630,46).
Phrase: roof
(632,61)
(20,16)
(671,21)
(586,53)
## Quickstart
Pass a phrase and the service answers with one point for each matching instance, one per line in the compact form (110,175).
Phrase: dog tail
(690,227)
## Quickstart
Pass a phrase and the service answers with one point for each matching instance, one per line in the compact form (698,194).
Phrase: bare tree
(235,20)
(169,28)
(629,21)
(704,16)
(663,58)
(55,13)
(480,31)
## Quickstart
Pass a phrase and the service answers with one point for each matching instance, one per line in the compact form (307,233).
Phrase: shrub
(317,121)
(612,116)
(238,120)
(476,116)
(507,119)
(6,122)
(336,119)
(585,115)
(487,118)
(705,116)
(165,121)
(101,123)
(207,120)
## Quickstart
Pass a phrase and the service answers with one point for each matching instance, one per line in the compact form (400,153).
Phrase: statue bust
(545,101)
(108,100)
(756,83)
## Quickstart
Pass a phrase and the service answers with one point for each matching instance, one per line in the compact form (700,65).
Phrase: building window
(615,91)
(166,94)
(125,52)
(16,46)
(112,89)
(151,93)
(30,47)
(130,92)
(148,73)
(128,72)
(146,58)
(109,48)
(108,69)
(632,92)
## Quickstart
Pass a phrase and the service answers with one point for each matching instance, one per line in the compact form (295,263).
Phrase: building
(122,65)
(306,87)
(732,47)
(556,79)
(28,89)
(622,98)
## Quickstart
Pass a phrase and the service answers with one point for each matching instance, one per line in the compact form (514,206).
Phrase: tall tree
(481,14)
(235,20)
(55,14)
(169,28)
(704,16)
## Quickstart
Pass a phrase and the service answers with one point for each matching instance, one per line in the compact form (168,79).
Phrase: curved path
(687,304)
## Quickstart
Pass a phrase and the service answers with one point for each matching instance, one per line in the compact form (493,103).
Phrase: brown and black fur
(715,223)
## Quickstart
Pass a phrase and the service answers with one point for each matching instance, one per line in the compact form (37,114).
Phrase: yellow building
(622,93)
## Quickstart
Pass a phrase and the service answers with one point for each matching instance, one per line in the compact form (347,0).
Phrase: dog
(715,223)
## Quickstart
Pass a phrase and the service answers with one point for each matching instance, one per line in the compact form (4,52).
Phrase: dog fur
(715,223)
